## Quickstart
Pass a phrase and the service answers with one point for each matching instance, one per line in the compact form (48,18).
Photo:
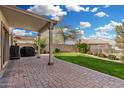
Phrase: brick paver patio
(33,72)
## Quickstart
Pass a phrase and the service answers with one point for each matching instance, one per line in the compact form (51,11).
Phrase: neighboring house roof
(23,38)
(94,41)
(25,44)
(116,48)
(24,19)
(120,45)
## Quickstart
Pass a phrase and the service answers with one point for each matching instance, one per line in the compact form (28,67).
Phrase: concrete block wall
(63,48)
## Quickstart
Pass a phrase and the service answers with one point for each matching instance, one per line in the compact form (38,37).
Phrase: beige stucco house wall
(97,45)
(3,24)
(99,48)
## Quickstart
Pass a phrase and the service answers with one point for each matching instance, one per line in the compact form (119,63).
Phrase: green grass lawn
(108,67)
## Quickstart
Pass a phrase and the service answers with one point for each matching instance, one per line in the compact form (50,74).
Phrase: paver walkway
(33,72)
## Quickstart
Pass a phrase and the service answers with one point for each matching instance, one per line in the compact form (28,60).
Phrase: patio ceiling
(23,19)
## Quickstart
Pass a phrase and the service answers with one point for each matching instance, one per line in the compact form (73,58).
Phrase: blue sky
(94,21)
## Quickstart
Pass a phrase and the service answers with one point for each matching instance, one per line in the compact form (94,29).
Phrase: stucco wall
(98,48)
(72,48)
(63,48)
(4,21)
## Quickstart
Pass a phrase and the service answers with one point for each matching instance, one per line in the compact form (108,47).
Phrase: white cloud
(86,9)
(48,10)
(106,6)
(80,32)
(85,24)
(84,37)
(101,14)
(108,38)
(104,32)
(94,9)
(122,20)
(76,8)
(30,33)
(20,32)
(65,29)
(77,28)
(110,26)
(103,35)
(57,18)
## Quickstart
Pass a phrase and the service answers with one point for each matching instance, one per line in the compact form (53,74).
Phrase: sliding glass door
(4,45)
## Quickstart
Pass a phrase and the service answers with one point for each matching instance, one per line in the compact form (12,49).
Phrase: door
(4,45)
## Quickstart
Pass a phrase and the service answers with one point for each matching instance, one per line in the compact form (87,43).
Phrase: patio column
(11,38)
(51,44)
(38,52)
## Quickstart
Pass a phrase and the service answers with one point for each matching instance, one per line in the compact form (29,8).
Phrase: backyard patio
(32,72)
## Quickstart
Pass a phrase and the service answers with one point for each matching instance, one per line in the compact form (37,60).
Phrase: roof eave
(29,13)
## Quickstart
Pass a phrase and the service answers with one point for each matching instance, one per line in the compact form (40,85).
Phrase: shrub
(95,54)
(102,55)
(44,52)
(83,48)
(113,57)
(122,58)
(89,52)
(40,42)
(57,50)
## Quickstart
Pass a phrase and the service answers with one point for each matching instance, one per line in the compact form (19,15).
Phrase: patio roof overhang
(19,18)
(23,19)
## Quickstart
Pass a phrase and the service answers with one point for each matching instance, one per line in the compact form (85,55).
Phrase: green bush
(57,50)
(83,48)
(40,42)
(113,57)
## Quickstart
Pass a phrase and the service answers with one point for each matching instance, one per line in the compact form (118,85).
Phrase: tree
(120,33)
(120,38)
(83,48)
(60,32)
(69,33)
(40,42)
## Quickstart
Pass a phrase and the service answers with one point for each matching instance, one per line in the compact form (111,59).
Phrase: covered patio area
(33,72)
(11,16)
